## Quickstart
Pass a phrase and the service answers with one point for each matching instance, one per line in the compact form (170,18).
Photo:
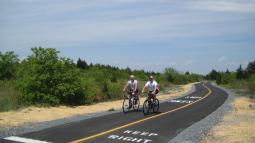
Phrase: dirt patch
(238,125)
(36,114)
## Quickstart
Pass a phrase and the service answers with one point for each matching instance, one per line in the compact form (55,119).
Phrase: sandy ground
(237,126)
(36,114)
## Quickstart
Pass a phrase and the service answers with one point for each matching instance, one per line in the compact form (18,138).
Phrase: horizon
(195,36)
(88,63)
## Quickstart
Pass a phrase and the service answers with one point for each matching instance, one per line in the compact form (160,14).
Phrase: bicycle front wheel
(146,107)
(125,105)
(136,104)
(155,105)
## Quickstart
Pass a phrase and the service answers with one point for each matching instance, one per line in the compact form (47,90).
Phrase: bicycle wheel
(125,105)
(146,107)
(136,103)
(155,105)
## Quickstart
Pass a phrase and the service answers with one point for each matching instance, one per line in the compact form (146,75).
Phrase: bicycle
(150,103)
(134,101)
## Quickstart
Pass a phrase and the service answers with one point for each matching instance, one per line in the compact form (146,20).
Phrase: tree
(46,78)
(219,78)
(128,70)
(82,64)
(240,73)
(228,78)
(227,71)
(213,75)
(8,65)
(170,74)
(251,68)
(187,73)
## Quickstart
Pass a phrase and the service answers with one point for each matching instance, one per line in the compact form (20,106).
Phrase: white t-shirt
(132,84)
(151,85)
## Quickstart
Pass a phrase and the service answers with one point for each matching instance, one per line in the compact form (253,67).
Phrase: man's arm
(146,84)
(156,88)
(136,85)
(125,87)
(143,89)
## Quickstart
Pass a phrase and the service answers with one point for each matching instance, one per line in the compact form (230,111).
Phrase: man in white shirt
(131,88)
(152,86)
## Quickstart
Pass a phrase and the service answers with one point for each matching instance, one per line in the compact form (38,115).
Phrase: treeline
(226,77)
(45,78)
(242,80)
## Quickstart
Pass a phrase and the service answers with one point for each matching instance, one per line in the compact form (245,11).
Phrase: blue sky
(194,35)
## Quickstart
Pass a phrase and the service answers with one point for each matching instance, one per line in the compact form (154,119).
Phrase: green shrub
(8,65)
(173,76)
(111,109)
(115,91)
(93,91)
(9,96)
(46,78)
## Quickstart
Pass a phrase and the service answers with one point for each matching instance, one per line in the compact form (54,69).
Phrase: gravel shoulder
(237,125)
(234,121)
(196,132)
(34,118)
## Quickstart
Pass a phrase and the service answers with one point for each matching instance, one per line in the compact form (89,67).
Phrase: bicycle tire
(136,104)
(155,105)
(146,107)
(125,105)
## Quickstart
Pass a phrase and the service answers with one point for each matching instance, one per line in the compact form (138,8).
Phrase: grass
(111,109)
(9,97)
(243,87)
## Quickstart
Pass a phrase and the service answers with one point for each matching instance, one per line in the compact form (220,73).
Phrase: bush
(228,78)
(9,97)
(115,91)
(173,76)
(46,78)
(251,89)
(8,65)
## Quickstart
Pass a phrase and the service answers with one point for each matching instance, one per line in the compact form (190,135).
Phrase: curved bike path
(133,127)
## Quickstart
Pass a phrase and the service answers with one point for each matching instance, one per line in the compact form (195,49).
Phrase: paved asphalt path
(134,127)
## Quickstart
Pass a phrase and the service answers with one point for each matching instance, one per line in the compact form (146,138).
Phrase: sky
(188,35)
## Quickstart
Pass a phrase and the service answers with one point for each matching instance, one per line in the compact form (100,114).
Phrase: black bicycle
(151,103)
(130,104)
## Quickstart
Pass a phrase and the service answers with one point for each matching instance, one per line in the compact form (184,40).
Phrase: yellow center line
(142,120)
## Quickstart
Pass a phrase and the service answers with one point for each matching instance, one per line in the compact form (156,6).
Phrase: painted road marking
(180,101)
(140,136)
(130,139)
(142,120)
(140,133)
(193,97)
(24,140)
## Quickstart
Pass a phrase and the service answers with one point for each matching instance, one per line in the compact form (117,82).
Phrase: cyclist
(131,88)
(152,87)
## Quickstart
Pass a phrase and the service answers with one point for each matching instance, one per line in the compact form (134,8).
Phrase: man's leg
(129,101)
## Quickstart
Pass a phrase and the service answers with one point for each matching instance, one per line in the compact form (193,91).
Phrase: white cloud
(233,63)
(222,59)
(172,64)
(189,62)
(225,5)
(66,25)
(49,24)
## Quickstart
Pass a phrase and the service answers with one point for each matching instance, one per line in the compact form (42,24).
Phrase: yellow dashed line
(142,120)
